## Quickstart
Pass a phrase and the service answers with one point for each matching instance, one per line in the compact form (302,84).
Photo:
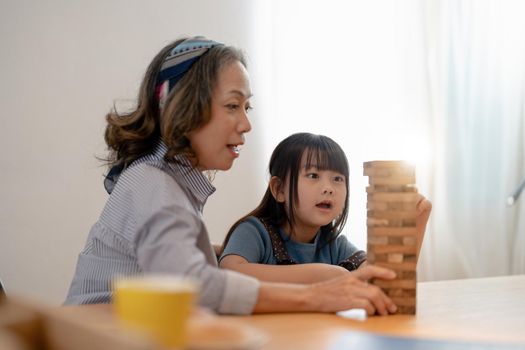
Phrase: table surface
(482,309)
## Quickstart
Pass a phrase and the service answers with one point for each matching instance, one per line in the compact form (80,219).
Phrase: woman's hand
(354,291)
(349,291)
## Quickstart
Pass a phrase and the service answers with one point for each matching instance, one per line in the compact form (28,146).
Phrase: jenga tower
(391,223)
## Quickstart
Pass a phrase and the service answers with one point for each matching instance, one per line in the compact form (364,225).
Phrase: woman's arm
(300,273)
(172,239)
(342,293)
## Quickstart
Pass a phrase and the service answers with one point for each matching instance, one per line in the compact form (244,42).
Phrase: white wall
(355,71)
(62,65)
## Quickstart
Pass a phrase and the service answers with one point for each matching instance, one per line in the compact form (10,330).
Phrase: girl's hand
(353,291)
(423,207)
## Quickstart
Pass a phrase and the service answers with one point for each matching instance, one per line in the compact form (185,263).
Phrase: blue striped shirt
(152,223)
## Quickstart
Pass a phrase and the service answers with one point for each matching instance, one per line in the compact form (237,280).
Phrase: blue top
(252,241)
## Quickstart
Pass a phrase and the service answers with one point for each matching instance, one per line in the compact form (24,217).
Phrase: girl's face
(321,197)
(217,143)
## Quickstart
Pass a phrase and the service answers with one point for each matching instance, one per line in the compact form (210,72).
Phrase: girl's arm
(423,208)
(300,273)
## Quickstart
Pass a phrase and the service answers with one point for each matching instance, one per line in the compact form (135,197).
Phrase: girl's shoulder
(343,246)
(250,232)
(253,226)
(333,240)
(341,239)
(253,223)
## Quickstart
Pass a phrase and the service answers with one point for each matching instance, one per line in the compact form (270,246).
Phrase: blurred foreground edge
(26,325)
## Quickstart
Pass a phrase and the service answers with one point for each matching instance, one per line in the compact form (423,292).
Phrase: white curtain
(476,55)
(439,83)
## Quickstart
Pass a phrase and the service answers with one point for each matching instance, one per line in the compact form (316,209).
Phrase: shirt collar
(187,174)
(181,169)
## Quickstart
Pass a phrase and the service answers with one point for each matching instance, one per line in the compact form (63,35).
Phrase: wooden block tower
(391,224)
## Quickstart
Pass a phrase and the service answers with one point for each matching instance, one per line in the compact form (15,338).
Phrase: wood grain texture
(488,309)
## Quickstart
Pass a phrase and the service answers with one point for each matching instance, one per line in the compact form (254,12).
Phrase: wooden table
(483,309)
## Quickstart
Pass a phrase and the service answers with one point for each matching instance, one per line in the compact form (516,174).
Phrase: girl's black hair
(285,163)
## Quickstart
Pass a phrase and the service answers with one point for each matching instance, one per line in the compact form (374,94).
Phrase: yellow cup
(158,305)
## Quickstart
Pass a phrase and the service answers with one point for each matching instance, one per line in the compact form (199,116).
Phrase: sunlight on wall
(353,71)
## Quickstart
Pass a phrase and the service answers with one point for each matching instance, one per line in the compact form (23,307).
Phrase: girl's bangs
(326,158)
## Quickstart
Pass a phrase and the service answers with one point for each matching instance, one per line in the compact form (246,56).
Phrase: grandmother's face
(217,144)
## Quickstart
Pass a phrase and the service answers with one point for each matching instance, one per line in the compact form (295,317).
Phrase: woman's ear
(276,187)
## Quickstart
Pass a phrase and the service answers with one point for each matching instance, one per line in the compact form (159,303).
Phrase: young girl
(191,117)
(300,217)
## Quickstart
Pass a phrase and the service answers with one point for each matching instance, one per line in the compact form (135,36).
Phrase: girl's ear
(276,187)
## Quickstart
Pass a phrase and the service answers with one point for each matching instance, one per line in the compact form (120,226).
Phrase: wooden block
(406,275)
(404,301)
(410,241)
(395,197)
(374,258)
(399,223)
(391,188)
(410,257)
(391,220)
(406,310)
(392,231)
(403,266)
(376,205)
(391,214)
(403,270)
(378,240)
(387,164)
(402,249)
(394,257)
(388,171)
(395,284)
(392,180)
(386,205)
(371,222)
(390,240)
(399,292)
(389,258)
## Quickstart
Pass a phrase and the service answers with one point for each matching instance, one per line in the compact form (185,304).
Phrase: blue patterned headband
(178,62)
